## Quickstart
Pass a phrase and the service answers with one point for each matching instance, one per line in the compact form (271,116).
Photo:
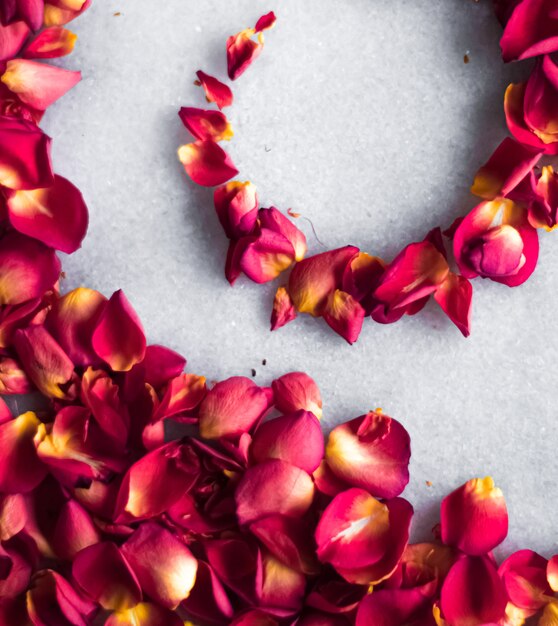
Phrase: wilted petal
(162,364)
(60,12)
(118,337)
(13,512)
(273,487)
(56,215)
(13,380)
(37,84)
(215,90)
(524,576)
(232,407)
(206,124)
(12,38)
(283,310)
(20,468)
(344,314)
(313,279)
(51,43)
(371,452)
(25,159)
(363,538)
(473,593)
(165,568)
(52,601)
(15,571)
(496,241)
(72,320)
(236,204)
(206,163)
(552,573)
(531,30)
(145,614)
(455,297)
(297,391)
(156,481)
(242,51)
(28,269)
(506,168)
(296,438)
(474,517)
(105,576)
(273,219)
(266,255)
(361,275)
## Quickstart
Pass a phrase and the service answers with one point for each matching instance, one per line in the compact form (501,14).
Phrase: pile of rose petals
(498,239)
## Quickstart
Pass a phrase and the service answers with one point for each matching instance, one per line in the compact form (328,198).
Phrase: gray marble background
(362,116)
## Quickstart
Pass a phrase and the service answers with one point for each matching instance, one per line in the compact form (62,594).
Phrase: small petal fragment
(283,310)
(455,296)
(51,43)
(242,51)
(215,90)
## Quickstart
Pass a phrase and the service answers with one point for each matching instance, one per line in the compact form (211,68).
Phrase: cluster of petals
(497,239)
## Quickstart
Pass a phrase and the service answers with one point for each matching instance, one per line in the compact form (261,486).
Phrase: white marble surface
(361,115)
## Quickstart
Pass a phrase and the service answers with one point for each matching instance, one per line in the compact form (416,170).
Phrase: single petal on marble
(215,90)
(236,204)
(265,22)
(273,487)
(242,51)
(232,407)
(371,452)
(44,361)
(12,38)
(455,297)
(28,269)
(297,391)
(164,566)
(283,310)
(37,84)
(56,215)
(51,43)
(72,320)
(21,470)
(206,124)
(118,338)
(296,438)
(474,517)
(105,576)
(473,593)
(506,168)
(206,163)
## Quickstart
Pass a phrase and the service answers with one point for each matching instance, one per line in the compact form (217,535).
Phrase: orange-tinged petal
(552,573)
(283,588)
(164,566)
(46,364)
(474,517)
(60,12)
(215,90)
(297,391)
(72,321)
(206,124)
(13,513)
(28,269)
(20,468)
(206,163)
(242,51)
(273,487)
(371,452)
(118,337)
(236,204)
(266,256)
(455,296)
(51,43)
(145,614)
(37,84)
(344,315)
(56,215)
(283,310)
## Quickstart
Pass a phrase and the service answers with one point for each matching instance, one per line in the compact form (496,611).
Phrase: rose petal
(267,255)
(297,391)
(206,125)
(371,452)
(524,576)
(531,30)
(273,219)
(12,38)
(51,43)
(232,407)
(455,296)
(283,309)
(145,614)
(215,90)
(208,600)
(118,337)
(37,84)
(236,204)
(344,315)
(273,487)
(242,51)
(206,163)
(391,607)
(58,13)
